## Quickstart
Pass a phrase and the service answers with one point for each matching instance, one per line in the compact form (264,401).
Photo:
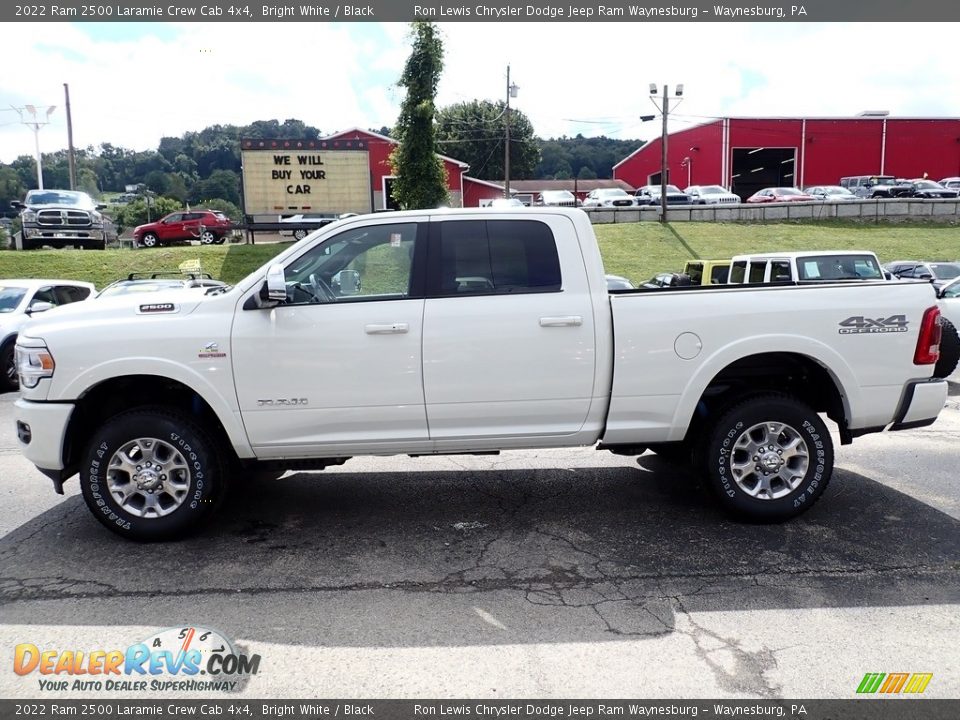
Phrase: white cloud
(573,77)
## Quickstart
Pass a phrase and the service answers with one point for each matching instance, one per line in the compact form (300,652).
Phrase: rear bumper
(41,433)
(921,402)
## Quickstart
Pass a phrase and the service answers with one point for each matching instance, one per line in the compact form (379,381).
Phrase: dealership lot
(565,573)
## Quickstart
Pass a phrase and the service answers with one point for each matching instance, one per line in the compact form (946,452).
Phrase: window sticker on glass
(811,269)
(395,239)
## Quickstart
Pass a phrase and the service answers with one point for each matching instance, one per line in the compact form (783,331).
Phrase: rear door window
(476,257)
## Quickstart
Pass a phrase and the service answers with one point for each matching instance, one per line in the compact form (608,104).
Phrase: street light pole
(665,112)
(663,157)
(35,125)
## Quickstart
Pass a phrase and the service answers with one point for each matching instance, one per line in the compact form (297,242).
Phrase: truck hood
(173,303)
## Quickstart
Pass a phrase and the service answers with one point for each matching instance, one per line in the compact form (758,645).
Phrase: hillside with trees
(200,167)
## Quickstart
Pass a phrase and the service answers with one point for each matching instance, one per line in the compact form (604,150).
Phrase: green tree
(474,132)
(421,177)
(223,184)
(11,187)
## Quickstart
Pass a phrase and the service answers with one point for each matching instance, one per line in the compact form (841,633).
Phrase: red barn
(747,154)
(381,177)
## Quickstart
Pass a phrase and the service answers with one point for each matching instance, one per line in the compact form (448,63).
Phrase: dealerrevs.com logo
(188,659)
(894,683)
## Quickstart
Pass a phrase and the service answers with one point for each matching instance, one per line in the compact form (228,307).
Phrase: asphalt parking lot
(530,574)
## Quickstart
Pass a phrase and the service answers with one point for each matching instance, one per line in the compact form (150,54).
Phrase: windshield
(927,184)
(60,197)
(945,271)
(557,195)
(839,267)
(787,191)
(140,287)
(611,192)
(10,297)
(712,190)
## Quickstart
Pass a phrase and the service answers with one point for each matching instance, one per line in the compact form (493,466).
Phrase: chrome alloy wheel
(769,460)
(148,477)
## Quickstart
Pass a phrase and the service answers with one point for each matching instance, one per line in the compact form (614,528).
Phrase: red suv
(207,226)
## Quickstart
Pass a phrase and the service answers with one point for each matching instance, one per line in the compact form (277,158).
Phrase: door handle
(386,328)
(562,321)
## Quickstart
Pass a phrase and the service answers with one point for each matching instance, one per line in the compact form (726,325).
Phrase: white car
(19,301)
(831,193)
(711,195)
(608,198)
(314,220)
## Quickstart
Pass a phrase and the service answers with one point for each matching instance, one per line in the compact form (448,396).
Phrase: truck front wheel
(769,458)
(151,474)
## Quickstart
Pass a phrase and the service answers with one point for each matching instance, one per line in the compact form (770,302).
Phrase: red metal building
(381,177)
(747,154)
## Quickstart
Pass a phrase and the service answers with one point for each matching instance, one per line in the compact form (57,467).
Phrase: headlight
(28,216)
(96,217)
(34,363)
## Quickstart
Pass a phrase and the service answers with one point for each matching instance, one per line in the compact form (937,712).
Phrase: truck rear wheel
(769,458)
(151,474)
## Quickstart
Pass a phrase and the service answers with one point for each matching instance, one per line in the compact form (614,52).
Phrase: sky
(133,83)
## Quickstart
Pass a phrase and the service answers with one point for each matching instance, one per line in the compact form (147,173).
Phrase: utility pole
(71,157)
(664,169)
(511,92)
(35,125)
(663,157)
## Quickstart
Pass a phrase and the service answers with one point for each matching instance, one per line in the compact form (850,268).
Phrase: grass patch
(635,250)
(229,263)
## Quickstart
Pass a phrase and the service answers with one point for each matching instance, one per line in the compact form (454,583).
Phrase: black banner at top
(467,11)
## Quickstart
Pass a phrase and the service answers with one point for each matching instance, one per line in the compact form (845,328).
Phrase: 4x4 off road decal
(858,325)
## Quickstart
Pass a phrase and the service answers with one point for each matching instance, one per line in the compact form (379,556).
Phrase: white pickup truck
(463,331)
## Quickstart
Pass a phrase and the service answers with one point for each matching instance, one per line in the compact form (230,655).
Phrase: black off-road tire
(8,367)
(949,349)
(102,472)
(755,433)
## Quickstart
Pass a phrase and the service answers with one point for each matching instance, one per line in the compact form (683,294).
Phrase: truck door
(336,369)
(508,334)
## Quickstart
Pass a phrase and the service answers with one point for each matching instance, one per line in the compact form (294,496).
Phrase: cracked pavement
(566,573)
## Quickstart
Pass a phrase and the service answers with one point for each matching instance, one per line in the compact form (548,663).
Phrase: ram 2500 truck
(464,331)
(61,218)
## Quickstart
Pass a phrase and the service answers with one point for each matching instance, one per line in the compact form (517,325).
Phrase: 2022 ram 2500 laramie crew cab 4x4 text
(464,331)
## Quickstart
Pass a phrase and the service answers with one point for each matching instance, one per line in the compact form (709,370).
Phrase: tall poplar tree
(421,180)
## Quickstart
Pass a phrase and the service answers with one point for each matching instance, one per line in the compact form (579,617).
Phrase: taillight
(928,344)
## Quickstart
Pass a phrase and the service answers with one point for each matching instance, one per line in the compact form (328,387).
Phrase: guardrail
(892,210)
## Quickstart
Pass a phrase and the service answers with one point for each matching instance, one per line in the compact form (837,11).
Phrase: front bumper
(42,433)
(920,404)
(32,232)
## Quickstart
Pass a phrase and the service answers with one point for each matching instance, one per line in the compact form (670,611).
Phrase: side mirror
(276,283)
(926,276)
(101,206)
(39,306)
(17,205)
